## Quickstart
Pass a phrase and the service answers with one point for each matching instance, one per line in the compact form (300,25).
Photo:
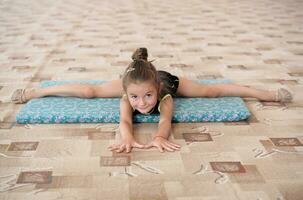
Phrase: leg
(188,88)
(109,89)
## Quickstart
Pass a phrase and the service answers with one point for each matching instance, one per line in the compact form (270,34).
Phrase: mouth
(144,110)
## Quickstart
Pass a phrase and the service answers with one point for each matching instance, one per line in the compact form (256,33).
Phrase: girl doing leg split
(145,90)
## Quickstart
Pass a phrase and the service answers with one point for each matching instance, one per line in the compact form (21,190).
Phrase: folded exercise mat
(50,110)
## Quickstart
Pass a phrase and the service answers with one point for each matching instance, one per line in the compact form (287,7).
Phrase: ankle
(283,95)
(273,95)
(269,96)
(30,94)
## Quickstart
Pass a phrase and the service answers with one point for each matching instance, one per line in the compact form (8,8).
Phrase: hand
(163,144)
(126,145)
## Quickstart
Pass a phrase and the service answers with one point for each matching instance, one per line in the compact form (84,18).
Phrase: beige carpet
(254,43)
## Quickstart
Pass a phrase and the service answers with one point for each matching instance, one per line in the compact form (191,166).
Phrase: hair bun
(140,54)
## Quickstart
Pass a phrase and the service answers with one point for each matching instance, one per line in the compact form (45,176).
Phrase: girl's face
(142,96)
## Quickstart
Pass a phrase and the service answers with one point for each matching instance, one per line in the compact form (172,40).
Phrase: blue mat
(49,110)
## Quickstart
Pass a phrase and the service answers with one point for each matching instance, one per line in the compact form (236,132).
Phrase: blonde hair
(140,70)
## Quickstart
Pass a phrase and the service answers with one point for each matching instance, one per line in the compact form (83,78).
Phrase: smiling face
(142,96)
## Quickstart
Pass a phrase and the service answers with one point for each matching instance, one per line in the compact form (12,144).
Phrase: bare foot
(21,96)
(283,95)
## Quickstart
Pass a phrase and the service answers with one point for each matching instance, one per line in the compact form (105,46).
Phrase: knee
(212,93)
(89,93)
(216,94)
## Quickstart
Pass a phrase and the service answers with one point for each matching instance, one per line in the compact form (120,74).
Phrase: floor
(254,43)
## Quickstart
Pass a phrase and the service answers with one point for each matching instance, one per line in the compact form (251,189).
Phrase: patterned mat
(62,110)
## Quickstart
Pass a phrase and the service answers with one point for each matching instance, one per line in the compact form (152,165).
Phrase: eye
(149,95)
(134,97)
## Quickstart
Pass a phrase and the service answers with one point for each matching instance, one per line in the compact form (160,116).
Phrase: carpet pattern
(254,43)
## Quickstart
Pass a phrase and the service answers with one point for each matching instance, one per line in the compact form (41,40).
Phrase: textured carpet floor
(254,43)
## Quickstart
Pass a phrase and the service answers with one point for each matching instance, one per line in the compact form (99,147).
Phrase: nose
(142,102)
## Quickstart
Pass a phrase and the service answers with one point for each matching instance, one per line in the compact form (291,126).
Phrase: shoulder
(126,111)
(167,96)
(165,102)
(124,98)
(124,103)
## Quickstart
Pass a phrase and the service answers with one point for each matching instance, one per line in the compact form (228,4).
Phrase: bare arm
(164,127)
(126,121)
(160,140)
(126,129)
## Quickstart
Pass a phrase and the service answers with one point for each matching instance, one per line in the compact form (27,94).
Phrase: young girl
(145,90)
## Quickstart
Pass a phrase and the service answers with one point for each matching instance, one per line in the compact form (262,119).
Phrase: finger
(173,146)
(121,149)
(138,145)
(168,148)
(113,147)
(147,146)
(128,148)
(160,148)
